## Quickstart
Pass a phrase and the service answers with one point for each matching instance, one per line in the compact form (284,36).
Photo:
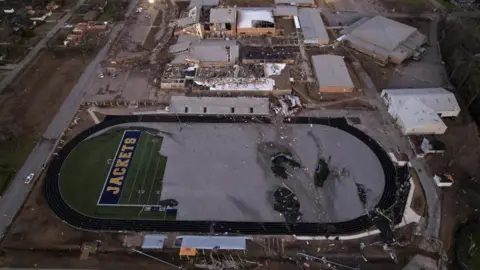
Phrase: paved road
(14,197)
(40,45)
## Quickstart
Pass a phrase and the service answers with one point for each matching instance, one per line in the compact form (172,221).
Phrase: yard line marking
(136,173)
(154,175)
(148,168)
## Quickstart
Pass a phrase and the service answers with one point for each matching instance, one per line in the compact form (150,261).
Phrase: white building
(419,111)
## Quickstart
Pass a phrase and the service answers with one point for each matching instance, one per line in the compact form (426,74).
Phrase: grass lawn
(12,156)
(84,172)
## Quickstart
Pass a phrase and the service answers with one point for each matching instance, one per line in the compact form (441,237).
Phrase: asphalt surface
(40,45)
(12,200)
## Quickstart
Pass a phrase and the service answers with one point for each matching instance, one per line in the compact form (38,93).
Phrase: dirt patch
(380,75)
(65,259)
(419,203)
(460,159)
(356,5)
(29,104)
(54,234)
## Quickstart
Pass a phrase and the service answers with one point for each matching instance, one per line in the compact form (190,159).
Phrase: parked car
(29,178)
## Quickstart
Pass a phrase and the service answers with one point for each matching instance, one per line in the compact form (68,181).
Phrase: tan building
(332,74)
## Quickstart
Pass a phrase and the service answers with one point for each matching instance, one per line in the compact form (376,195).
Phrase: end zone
(117,174)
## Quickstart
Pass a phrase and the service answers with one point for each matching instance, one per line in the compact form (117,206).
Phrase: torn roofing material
(191,17)
(312,26)
(205,51)
(331,71)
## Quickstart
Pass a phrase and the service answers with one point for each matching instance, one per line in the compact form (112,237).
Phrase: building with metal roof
(222,15)
(213,242)
(300,3)
(203,3)
(442,101)
(220,105)
(153,241)
(385,39)
(332,74)
(205,52)
(285,11)
(312,26)
(419,111)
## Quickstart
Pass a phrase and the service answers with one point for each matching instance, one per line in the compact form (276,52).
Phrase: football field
(117,172)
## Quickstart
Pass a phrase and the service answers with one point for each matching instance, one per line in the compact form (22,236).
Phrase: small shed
(211,242)
(153,241)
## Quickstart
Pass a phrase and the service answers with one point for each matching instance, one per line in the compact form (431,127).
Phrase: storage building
(313,28)
(332,74)
(384,39)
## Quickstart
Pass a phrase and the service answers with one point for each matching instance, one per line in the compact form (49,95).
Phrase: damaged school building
(216,66)
(204,21)
(208,59)
(384,39)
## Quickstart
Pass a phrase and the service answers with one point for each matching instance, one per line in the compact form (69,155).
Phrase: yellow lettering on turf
(130,140)
(121,163)
(126,147)
(115,190)
(116,180)
(125,155)
(119,171)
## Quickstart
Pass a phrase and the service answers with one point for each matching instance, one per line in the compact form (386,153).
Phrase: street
(15,195)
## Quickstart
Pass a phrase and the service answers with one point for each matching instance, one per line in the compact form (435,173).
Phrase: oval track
(66,213)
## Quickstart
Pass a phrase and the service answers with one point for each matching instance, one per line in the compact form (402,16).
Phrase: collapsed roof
(225,51)
(255,18)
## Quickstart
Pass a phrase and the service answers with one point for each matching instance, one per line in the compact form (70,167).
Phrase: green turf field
(84,173)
